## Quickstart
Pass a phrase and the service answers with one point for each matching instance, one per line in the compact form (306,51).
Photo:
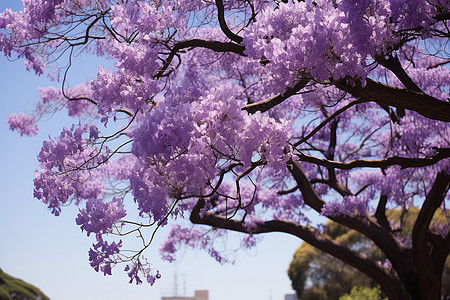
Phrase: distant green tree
(317,275)
(314,293)
(12,288)
(363,293)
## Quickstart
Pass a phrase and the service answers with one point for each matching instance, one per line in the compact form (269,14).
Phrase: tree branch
(332,179)
(334,115)
(310,196)
(395,251)
(439,254)
(223,24)
(200,43)
(380,213)
(393,64)
(403,162)
(421,246)
(442,16)
(88,29)
(265,105)
(384,94)
(440,251)
(387,281)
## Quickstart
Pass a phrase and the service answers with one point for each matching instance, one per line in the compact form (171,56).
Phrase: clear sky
(51,252)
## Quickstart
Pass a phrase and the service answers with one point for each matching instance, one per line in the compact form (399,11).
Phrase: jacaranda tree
(243,115)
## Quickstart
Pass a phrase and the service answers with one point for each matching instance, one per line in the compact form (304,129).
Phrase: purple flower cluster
(193,238)
(65,168)
(173,145)
(350,206)
(99,217)
(102,256)
(41,11)
(23,123)
(139,268)
(324,39)
(75,99)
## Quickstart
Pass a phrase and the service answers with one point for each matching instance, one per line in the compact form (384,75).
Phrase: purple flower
(102,255)
(65,168)
(23,123)
(350,206)
(140,267)
(99,217)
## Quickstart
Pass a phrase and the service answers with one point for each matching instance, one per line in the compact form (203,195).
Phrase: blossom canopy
(247,116)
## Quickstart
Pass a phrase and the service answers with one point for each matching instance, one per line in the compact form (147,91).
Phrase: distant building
(198,295)
(290,297)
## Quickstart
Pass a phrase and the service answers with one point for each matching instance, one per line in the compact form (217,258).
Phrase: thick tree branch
(380,213)
(375,229)
(393,64)
(311,198)
(387,281)
(439,254)
(265,105)
(223,24)
(332,179)
(395,251)
(333,142)
(384,94)
(432,202)
(442,16)
(403,162)
(200,43)
(429,278)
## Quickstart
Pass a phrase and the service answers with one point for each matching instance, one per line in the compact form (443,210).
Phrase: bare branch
(223,24)
(334,115)
(403,162)
(289,191)
(332,179)
(310,196)
(392,63)
(265,105)
(438,64)
(200,43)
(88,29)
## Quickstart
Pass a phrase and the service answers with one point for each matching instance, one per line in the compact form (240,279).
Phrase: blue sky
(51,252)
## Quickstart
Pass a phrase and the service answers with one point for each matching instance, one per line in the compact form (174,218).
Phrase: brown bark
(423,248)
(200,43)
(266,104)
(384,94)
(392,63)
(403,162)
(223,24)
(310,235)
(396,252)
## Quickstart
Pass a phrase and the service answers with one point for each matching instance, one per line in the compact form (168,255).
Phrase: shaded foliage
(12,288)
